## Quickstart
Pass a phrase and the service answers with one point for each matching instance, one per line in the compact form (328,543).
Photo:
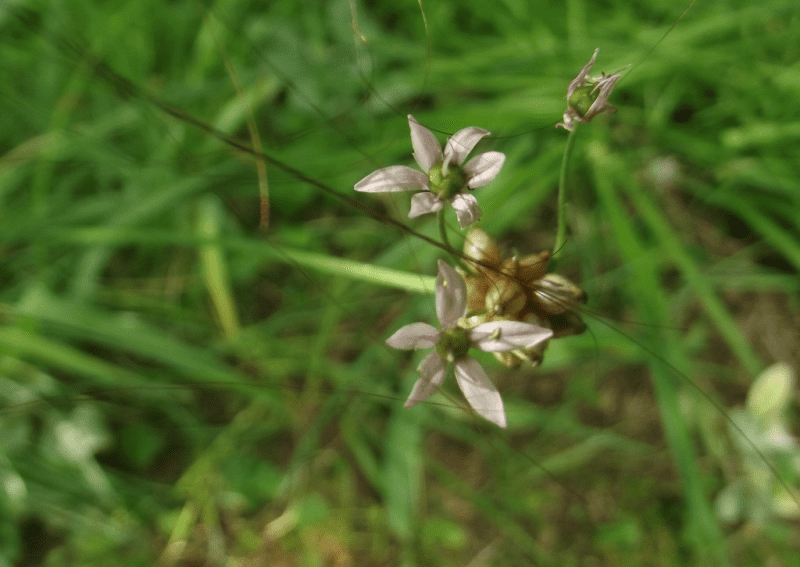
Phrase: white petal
(424,203)
(483,168)
(467,209)
(431,375)
(499,336)
(479,391)
(415,335)
(451,296)
(427,149)
(394,178)
(461,143)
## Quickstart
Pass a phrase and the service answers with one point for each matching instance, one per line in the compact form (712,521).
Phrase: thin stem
(442,228)
(561,229)
(445,240)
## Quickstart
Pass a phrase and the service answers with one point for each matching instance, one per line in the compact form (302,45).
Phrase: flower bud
(518,289)
(555,294)
(505,298)
(481,247)
(566,324)
(532,267)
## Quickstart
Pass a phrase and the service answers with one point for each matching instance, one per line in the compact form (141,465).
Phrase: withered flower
(587,96)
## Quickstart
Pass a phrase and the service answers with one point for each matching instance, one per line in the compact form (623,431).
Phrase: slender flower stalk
(587,97)
(444,177)
(442,228)
(440,221)
(452,344)
(561,227)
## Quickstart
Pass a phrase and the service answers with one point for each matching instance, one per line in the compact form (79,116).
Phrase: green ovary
(583,98)
(446,184)
(453,344)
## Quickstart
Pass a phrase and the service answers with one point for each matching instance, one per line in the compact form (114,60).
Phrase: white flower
(588,96)
(453,343)
(444,177)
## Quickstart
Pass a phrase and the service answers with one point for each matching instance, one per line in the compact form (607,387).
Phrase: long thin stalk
(445,240)
(561,228)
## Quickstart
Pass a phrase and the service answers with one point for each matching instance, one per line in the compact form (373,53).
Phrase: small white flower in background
(588,96)
(453,343)
(445,179)
(765,422)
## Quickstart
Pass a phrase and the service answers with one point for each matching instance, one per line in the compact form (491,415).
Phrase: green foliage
(177,384)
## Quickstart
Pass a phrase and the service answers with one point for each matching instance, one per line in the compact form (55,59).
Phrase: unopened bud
(555,294)
(481,247)
(505,298)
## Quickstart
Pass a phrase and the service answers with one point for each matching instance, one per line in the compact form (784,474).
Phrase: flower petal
(461,143)
(578,81)
(499,336)
(467,209)
(479,391)
(451,296)
(427,149)
(483,168)
(570,116)
(600,105)
(394,178)
(424,203)
(415,335)
(431,375)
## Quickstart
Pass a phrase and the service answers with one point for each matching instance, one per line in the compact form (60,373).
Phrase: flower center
(583,98)
(453,344)
(446,183)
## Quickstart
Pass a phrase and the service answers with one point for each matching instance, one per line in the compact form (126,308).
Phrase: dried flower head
(518,289)
(445,179)
(587,96)
(452,344)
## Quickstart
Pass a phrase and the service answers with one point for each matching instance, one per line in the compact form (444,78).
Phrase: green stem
(561,229)
(442,228)
(445,241)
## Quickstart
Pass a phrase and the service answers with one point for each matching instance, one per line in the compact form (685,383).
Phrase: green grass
(181,386)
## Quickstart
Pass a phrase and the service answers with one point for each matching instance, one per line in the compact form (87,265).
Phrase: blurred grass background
(178,390)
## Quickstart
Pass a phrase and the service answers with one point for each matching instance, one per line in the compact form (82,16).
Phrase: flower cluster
(510,307)
(452,344)
(518,289)
(588,96)
(445,178)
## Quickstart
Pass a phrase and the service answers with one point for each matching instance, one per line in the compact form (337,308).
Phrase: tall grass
(182,386)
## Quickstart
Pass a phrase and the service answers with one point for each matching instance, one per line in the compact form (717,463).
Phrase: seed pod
(555,294)
(507,359)
(481,247)
(477,286)
(566,324)
(505,298)
(518,289)
(532,267)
